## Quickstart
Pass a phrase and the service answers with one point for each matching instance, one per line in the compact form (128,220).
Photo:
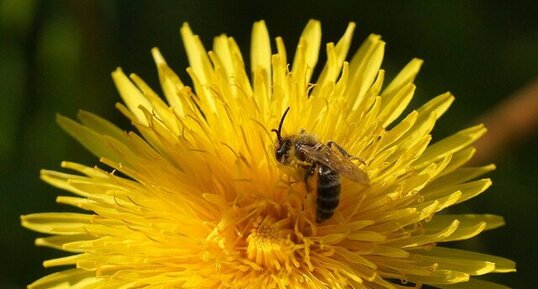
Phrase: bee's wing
(336,161)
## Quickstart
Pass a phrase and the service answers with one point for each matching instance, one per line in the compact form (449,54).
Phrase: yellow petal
(393,108)
(463,232)
(471,267)
(336,55)
(458,159)
(427,116)
(307,52)
(170,82)
(468,190)
(418,240)
(441,277)
(502,265)
(91,140)
(405,76)
(67,279)
(57,223)
(363,69)
(467,220)
(59,241)
(101,125)
(132,97)
(260,50)
(472,284)
(459,176)
(64,261)
(198,59)
(451,144)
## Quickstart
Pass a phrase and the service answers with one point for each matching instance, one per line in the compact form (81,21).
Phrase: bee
(314,159)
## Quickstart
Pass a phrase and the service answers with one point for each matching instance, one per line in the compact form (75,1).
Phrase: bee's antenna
(278,136)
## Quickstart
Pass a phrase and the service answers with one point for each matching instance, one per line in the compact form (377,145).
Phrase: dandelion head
(204,194)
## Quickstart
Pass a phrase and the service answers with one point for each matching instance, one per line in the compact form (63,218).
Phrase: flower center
(269,243)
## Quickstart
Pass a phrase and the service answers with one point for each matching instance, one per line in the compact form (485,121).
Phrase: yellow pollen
(267,247)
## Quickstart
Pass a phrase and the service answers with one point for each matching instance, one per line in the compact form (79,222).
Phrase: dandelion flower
(196,198)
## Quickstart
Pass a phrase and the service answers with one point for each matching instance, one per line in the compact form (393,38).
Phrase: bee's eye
(282,150)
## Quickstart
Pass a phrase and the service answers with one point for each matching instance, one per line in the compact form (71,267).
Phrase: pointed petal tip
(417,61)
(313,26)
(446,98)
(185,25)
(481,129)
(58,117)
(157,56)
(133,75)
(44,173)
(449,94)
(82,113)
(185,29)
(374,37)
(117,74)
(501,220)
(117,70)
(62,121)
(314,22)
(24,221)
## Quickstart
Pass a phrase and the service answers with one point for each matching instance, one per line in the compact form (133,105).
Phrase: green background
(56,57)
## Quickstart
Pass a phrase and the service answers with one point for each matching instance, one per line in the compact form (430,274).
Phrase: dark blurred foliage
(56,57)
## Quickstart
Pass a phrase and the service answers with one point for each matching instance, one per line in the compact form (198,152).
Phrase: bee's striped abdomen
(328,190)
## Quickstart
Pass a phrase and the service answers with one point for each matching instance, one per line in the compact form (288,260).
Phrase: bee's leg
(309,176)
(310,173)
(340,149)
(331,143)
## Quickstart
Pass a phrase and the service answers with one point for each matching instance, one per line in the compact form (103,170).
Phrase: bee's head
(283,145)
(282,150)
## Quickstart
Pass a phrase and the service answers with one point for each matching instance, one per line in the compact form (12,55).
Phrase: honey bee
(314,159)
